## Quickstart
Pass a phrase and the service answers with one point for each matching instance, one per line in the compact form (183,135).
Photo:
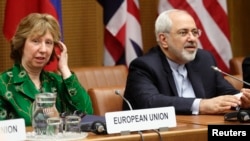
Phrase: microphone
(242,81)
(241,115)
(119,93)
(217,69)
(99,128)
(93,123)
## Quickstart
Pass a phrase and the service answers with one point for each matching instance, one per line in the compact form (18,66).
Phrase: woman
(32,48)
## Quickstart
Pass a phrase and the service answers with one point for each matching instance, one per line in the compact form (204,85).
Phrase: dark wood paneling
(240,26)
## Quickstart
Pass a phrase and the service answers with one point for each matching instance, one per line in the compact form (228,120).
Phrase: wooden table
(189,128)
(183,131)
(204,119)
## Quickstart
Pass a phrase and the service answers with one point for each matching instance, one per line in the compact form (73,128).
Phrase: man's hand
(245,98)
(219,105)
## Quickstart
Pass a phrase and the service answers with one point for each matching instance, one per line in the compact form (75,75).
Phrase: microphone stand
(117,92)
(240,115)
(217,69)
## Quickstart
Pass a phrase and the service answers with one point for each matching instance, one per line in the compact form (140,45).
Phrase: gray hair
(164,23)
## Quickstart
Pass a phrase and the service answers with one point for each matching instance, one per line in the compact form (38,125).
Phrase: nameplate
(139,120)
(12,130)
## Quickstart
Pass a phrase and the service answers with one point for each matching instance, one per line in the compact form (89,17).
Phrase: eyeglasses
(185,32)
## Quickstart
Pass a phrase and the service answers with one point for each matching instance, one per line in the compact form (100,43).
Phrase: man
(177,73)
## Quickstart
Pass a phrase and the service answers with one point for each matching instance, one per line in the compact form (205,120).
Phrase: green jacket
(17,94)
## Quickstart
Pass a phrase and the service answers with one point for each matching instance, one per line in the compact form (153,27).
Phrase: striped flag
(211,17)
(122,34)
(15,10)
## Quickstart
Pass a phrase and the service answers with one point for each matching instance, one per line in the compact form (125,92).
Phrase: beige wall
(83,30)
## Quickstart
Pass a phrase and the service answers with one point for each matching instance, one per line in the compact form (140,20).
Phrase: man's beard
(188,56)
(184,55)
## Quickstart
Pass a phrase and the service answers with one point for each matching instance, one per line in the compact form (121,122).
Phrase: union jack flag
(122,34)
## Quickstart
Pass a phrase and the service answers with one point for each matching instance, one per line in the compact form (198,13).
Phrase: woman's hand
(63,61)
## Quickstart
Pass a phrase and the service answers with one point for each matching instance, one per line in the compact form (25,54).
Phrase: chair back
(235,65)
(105,99)
(101,76)
(236,84)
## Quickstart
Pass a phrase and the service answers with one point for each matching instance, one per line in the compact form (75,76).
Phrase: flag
(15,10)
(211,17)
(122,33)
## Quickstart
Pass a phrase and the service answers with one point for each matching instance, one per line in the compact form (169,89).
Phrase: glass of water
(72,124)
(54,126)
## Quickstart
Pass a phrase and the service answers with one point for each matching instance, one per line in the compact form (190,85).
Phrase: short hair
(35,24)
(164,23)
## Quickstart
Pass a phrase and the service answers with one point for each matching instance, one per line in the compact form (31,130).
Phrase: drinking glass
(72,124)
(54,126)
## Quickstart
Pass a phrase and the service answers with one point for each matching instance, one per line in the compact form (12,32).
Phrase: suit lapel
(167,69)
(195,80)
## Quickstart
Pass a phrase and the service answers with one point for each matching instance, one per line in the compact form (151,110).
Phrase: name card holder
(12,130)
(125,132)
(161,129)
(124,122)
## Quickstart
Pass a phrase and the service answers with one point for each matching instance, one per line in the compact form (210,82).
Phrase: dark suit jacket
(246,71)
(150,82)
